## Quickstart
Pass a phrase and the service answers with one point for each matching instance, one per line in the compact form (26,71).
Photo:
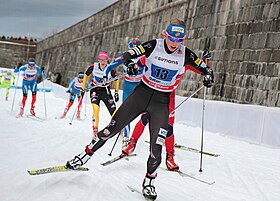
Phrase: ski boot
(64,113)
(78,115)
(125,142)
(63,116)
(21,111)
(66,110)
(79,160)
(148,190)
(6,98)
(170,164)
(95,131)
(130,147)
(32,112)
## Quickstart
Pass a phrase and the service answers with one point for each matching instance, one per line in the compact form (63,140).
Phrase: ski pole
(44,93)
(202,128)
(85,103)
(76,110)
(95,86)
(206,60)
(15,92)
(110,154)
(108,82)
(186,99)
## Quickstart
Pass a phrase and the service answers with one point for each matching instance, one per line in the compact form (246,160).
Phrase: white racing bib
(164,68)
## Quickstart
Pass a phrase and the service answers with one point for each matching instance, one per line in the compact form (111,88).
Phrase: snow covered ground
(243,172)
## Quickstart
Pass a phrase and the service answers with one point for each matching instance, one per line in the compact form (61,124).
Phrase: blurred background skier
(74,89)
(100,90)
(6,80)
(30,71)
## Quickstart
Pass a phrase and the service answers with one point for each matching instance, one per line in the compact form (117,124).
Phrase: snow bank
(256,124)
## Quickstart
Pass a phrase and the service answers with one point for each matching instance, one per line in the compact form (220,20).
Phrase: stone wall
(14,52)
(243,36)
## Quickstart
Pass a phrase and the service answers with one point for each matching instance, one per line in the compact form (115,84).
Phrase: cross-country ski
(192,176)
(53,169)
(135,190)
(35,117)
(183,147)
(117,158)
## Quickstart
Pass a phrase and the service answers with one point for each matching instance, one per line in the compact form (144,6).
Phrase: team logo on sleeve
(131,52)
(198,61)
(138,50)
(192,56)
(148,45)
(141,49)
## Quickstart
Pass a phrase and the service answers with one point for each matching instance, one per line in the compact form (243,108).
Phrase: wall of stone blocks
(243,36)
(12,53)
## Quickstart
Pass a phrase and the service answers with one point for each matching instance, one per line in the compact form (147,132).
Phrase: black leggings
(103,94)
(143,99)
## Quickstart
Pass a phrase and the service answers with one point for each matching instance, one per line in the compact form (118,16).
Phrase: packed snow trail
(243,171)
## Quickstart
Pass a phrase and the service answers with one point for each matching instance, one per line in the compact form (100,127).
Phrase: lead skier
(165,65)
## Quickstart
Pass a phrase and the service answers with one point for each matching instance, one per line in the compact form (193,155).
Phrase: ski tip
(130,188)
(30,172)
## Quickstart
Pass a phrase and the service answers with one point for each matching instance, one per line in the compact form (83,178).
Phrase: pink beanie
(103,55)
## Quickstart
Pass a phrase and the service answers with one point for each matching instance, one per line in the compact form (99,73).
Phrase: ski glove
(206,54)
(132,68)
(69,92)
(208,79)
(105,80)
(116,96)
(84,90)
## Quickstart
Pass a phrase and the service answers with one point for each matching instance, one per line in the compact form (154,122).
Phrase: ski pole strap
(186,99)
(108,82)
